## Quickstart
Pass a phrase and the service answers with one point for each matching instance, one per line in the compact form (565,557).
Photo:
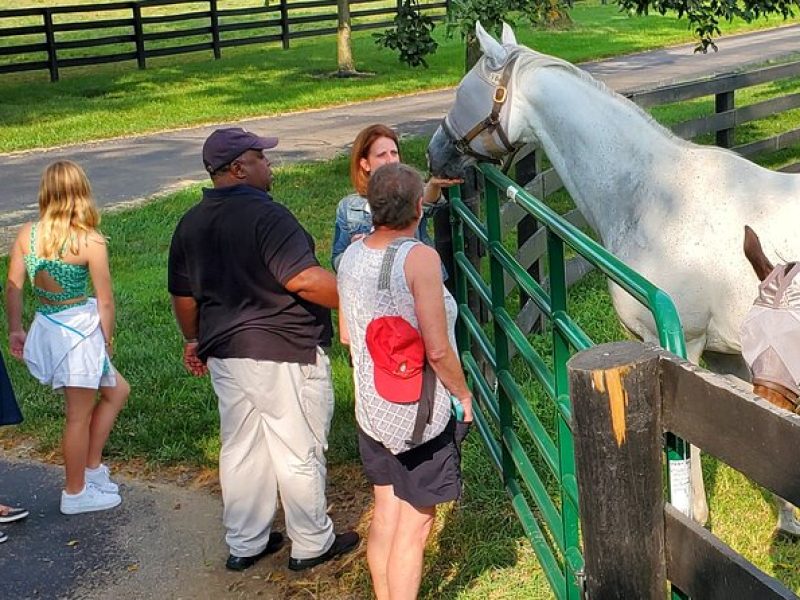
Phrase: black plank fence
(624,396)
(53,38)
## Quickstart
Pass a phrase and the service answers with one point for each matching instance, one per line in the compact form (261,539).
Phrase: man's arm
(316,285)
(186,314)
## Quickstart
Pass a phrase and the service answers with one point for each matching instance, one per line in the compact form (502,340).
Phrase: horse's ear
(755,254)
(490,47)
(508,38)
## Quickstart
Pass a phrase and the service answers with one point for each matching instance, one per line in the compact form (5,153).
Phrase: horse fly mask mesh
(771,333)
(491,130)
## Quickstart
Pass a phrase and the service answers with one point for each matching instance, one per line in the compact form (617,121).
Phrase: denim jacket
(353,217)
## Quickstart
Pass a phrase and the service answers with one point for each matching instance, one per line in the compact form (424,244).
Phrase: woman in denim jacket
(373,147)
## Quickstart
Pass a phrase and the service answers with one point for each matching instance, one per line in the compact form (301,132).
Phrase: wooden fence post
(724,102)
(212,8)
(616,408)
(284,24)
(52,59)
(471,196)
(138,32)
(525,171)
(443,240)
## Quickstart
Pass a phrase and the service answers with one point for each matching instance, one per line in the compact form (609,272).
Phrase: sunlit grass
(91,103)
(479,549)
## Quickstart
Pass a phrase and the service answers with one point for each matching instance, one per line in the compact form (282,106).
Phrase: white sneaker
(101,479)
(89,500)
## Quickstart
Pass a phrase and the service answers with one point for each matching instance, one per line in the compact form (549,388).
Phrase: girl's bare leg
(112,400)
(75,442)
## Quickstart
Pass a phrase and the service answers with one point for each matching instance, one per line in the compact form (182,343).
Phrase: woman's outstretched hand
(443,183)
(433,188)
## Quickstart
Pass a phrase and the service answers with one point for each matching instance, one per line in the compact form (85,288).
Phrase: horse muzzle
(445,159)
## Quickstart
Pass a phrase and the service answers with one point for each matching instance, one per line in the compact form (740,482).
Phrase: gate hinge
(580,577)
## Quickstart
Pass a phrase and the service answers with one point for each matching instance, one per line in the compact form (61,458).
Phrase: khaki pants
(274,424)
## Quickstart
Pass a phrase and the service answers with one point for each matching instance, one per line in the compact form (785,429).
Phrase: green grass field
(480,550)
(92,103)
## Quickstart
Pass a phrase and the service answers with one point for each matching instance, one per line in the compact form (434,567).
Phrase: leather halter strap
(787,395)
(490,123)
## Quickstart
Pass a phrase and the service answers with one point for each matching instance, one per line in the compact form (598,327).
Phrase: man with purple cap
(253,305)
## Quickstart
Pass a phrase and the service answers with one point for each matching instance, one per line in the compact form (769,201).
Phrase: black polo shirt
(233,252)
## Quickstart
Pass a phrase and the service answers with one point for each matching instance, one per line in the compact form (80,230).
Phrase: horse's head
(478,126)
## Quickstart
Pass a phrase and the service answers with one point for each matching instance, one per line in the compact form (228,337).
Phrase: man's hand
(16,343)
(191,361)
(316,285)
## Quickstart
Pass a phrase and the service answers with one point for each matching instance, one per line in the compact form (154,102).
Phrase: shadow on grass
(784,550)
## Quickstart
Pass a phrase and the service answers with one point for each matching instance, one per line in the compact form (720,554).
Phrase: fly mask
(771,333)
(487,91)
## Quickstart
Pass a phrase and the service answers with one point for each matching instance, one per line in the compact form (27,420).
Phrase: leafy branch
(411,36)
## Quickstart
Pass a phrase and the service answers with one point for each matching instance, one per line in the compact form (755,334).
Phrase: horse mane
(533,59)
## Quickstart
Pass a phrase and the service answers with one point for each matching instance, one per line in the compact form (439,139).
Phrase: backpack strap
(385,277)
(428,393)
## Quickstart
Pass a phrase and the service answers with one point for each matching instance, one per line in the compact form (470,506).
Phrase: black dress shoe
(240,563)
(342,544)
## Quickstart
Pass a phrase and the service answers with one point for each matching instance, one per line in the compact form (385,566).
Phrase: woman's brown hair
(361,147)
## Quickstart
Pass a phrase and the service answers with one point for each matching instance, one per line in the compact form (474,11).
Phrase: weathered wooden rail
(624,396)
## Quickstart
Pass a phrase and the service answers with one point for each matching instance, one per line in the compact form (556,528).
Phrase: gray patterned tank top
(389,423)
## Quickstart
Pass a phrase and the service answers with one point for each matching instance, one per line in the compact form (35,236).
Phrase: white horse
(670,209)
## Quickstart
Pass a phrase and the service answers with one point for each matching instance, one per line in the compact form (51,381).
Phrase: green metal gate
(554,535)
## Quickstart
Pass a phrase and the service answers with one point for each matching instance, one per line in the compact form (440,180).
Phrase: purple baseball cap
(225,145)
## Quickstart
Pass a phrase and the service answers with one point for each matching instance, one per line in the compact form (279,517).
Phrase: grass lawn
(92,103)
(479,550)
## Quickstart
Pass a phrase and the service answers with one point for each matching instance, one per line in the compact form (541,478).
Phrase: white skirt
(67,349)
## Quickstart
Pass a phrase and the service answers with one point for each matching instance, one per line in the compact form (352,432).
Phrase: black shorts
(423,476)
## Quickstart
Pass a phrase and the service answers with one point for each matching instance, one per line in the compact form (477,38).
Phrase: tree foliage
(492,13)
(411,36)
(704,16)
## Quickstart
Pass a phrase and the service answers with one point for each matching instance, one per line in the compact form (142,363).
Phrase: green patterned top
(73,279)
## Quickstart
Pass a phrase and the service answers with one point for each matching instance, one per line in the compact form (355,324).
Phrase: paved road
(163,542)
(134,168)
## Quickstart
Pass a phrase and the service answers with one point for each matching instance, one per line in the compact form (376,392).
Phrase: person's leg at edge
(246,470)
(408,547)
(75,442)
(104,415)
(381,533)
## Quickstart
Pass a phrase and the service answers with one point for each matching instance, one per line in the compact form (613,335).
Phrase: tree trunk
(343,44)
(473,52)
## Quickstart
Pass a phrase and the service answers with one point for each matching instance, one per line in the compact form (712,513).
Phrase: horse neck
(602,146)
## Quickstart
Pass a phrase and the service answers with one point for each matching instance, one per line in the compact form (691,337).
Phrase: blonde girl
(70,342)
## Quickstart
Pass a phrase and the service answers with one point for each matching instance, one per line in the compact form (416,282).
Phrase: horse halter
(490,124)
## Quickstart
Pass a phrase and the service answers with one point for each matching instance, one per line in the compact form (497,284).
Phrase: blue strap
(67,327)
